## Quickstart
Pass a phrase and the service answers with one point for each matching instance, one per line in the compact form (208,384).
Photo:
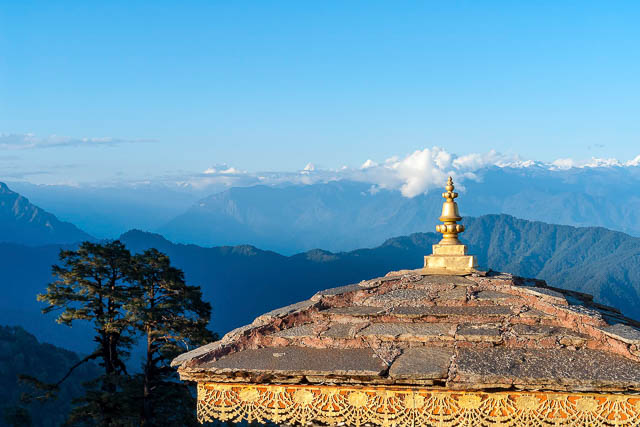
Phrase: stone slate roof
(495,331)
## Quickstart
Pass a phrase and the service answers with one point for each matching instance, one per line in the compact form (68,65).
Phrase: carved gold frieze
(384,406)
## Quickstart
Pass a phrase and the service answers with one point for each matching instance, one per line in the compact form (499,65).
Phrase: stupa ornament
(450,255)
(450,216)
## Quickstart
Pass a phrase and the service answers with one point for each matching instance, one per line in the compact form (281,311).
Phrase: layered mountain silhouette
(108,211)
(334,216)
(24,223)
(243,281)
(344,215)
(341,215)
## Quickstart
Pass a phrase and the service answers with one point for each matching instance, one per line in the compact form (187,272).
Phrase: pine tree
(92,286)
(125,297)
(172,318)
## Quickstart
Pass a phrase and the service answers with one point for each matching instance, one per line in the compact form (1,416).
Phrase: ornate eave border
(396,406)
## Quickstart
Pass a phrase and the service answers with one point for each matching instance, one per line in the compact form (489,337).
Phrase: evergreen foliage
(169,314)
(126,297)
(91,286)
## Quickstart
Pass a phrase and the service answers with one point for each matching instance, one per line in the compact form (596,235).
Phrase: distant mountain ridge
(335,216)
(108,211)
(24,223)
(340,215)
(346,215)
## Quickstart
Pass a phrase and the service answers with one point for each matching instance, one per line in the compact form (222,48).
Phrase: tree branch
(85,360)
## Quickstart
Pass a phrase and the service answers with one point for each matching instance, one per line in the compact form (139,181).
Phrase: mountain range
(25,223)
(342,215)
(243,281)
(108,211)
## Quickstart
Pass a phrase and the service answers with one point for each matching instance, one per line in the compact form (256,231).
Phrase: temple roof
(484,331)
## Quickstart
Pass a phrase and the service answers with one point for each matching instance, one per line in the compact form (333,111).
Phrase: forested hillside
(22,354)
(242,282)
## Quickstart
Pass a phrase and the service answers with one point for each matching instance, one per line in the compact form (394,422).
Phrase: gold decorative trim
(385,406)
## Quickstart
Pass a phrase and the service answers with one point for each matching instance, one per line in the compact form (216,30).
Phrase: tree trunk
(146,416)
(107,384)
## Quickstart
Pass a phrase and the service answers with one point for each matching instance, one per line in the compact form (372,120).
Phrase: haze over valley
(594,260)
(345,211)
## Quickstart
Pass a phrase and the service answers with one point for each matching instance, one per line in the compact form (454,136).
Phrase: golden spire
(450,216)
(450,255)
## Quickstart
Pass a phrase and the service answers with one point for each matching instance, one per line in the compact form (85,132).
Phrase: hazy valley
(343,215)
(243,281)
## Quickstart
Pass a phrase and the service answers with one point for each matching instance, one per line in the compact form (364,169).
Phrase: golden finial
(450,255)
(450,216)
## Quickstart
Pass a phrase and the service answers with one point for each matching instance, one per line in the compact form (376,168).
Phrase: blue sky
(114,90)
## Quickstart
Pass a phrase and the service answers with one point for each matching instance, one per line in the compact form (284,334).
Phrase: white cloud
(26,141)
(476,161)
(368,164)
(230,171)
(222,170)
(412,175)
(564,164)
(634,162)
(429,168)
(421,170)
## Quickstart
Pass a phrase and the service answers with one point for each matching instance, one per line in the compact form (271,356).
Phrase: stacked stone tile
(480,332)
